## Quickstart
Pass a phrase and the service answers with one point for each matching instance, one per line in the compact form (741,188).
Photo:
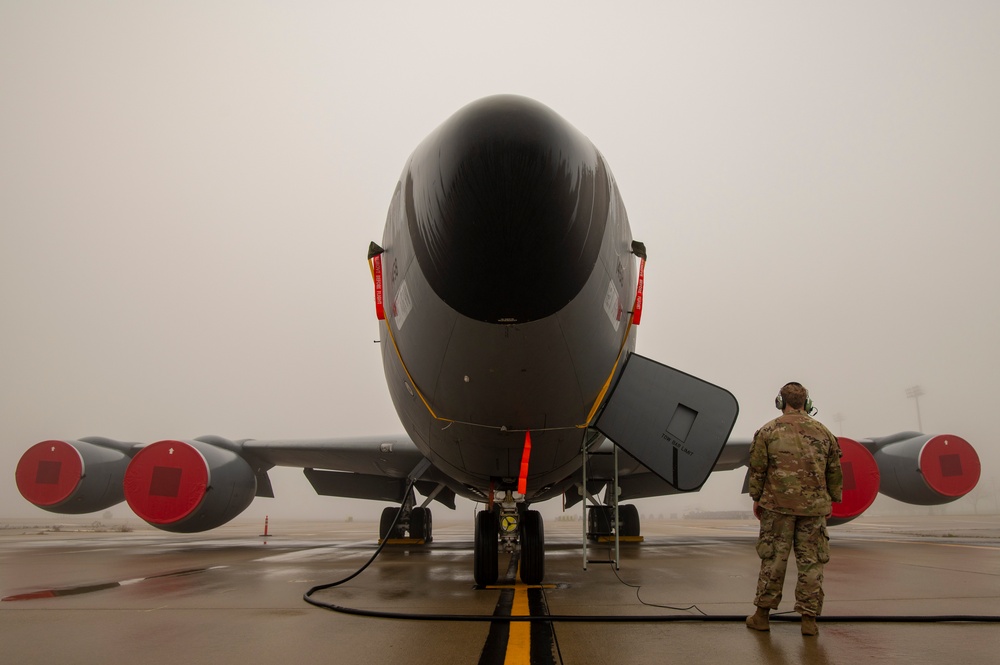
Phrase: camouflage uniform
(795,474)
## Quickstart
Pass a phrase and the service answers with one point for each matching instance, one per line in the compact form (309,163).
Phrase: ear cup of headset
(809,407)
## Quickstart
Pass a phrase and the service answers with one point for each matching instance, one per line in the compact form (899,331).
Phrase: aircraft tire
(532,547)
(419,524)
(388,515)
(485,554)
(599,521)
(629,516)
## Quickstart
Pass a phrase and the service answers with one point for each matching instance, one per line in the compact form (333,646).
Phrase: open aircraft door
(674,424)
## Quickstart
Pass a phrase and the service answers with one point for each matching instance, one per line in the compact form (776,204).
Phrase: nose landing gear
(514,529)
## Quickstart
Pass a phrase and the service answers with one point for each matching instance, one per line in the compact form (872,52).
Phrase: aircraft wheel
(599,521)
(532,547)
(388,515)
(485,555)
(428,526)
(419,524)
(629,516)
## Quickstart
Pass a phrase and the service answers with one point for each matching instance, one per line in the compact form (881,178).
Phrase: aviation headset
(809,407)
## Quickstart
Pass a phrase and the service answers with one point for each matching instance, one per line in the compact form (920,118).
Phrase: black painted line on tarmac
(542,647)
(495,649)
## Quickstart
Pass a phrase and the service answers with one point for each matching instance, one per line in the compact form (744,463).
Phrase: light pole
(915,392)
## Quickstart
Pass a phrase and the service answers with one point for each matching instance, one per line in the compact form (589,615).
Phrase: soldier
(795,475)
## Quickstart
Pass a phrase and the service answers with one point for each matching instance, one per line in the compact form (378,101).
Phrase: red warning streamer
(522,481)
(379,306)
(637,308)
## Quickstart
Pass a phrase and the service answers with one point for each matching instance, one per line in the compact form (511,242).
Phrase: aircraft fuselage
(508,283)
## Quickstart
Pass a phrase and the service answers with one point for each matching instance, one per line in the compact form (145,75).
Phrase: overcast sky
(189,189)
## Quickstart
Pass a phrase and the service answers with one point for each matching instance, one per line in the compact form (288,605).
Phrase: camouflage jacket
(795,466)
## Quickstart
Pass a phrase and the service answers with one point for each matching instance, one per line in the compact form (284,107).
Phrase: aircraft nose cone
(506,205)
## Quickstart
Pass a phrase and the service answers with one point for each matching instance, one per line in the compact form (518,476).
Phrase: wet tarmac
(87,594)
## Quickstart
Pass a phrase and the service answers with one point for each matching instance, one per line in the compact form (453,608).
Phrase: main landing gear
(415,523)
(510,527)
(601,521)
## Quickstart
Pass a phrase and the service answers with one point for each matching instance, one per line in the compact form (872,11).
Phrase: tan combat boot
(759,620)
(809,626)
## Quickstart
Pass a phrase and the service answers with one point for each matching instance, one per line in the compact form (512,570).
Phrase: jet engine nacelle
(189,486)
(73,477)
(926,469)
(861,481)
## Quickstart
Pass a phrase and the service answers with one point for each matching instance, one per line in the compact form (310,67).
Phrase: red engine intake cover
(166,481)
(49,473)
(861,481)
(950,465)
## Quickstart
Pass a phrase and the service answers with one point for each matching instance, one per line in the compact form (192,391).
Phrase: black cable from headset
(614,569)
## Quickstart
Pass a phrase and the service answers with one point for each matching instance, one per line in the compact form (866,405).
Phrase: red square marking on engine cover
(849,482)
(951,465)
(166,481)
(48,473)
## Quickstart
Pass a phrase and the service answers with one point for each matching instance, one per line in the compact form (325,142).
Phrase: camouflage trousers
(779,535)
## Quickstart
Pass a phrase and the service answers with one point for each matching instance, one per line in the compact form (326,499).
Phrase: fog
(189,189)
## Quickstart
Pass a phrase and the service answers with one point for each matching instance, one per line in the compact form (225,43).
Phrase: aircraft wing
(394,457)
(374,468)
(912,467)
(734,455)
(198,484)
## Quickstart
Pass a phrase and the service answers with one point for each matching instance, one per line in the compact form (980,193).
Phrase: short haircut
(794,395)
